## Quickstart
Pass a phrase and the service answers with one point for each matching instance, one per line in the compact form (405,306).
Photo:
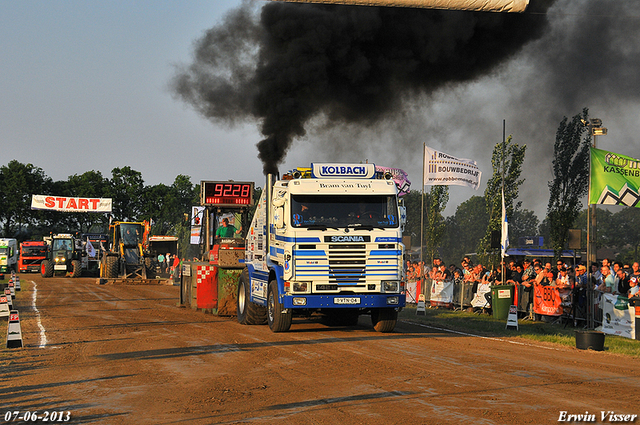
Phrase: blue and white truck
(325,239)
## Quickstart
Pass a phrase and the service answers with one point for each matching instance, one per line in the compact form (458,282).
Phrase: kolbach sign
(69,204)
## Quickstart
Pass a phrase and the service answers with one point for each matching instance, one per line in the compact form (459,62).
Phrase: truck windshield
(33,251)
(344,211)
(4,250)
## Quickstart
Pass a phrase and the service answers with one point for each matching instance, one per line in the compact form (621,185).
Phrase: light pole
(595,129)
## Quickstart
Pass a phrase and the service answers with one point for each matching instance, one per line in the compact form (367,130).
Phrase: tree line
(163,205)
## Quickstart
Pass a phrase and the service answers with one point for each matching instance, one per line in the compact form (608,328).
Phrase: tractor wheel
(76,268)
(46,268)
(279,320)
(248,312)
(111,267)
(384,319)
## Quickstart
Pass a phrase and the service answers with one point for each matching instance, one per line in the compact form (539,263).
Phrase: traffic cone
(16,280)
(4,306)
(14,334)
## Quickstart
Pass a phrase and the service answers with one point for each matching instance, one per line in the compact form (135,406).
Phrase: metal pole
(591,236)
(421,270)
(503,271)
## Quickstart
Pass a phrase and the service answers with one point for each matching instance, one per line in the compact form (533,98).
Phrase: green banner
(615,179)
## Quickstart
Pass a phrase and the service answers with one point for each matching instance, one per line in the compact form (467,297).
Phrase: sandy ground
(114,354)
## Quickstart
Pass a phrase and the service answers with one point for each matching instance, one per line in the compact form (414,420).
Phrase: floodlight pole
(595,127)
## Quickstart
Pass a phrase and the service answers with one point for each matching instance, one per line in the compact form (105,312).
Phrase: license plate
(60,267)
(350,300)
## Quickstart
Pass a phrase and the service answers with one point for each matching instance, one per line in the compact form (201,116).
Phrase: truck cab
(328,239)
(8,255)
(32,253)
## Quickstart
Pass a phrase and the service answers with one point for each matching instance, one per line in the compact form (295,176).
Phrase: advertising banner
(547,300)
(617,317)
(441,293)
(443,169)
(615,179)
(70,204)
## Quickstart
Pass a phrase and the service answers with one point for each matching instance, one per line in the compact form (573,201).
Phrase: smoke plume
(288,63)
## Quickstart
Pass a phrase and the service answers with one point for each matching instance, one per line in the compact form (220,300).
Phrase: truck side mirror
(403,216)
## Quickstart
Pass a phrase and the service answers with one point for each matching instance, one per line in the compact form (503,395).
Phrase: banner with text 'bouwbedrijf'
(615,179)
(443,169)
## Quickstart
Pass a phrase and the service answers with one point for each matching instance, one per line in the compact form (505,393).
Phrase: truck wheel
(46,268)
(384,319)
(278,320)
(76,268)
(248,313)
(111,267)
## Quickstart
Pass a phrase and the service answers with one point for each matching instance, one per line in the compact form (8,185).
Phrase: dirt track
(128,354)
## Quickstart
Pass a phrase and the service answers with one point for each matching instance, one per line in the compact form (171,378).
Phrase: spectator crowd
(572,282)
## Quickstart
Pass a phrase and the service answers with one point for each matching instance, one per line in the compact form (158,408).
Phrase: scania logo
(351,238)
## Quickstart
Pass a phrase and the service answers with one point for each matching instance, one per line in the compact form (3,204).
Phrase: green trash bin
(501,300)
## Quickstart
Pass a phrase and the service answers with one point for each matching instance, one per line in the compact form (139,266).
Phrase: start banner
(69,204)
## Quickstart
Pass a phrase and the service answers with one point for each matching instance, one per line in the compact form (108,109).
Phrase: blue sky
(84,86)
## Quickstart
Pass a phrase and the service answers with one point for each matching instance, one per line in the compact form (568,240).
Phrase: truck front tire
(384,319)
(278,319)
(248,313)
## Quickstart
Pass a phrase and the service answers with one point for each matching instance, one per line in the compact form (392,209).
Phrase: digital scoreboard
(226,194)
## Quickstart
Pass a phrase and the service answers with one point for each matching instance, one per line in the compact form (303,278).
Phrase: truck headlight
(300,286)
(393,300)
(299,301)
(390,286)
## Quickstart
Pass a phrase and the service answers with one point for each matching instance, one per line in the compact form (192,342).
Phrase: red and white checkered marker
(14,333)
(4,306)
(7,294)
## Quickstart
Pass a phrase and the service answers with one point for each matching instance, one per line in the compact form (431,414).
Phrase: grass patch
(486,325)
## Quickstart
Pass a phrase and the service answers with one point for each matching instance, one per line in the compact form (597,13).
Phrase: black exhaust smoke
(352,64)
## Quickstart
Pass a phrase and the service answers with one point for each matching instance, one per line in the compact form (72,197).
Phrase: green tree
(465,229)
(17,183)
(126,189)
(435,201)
(523,223)
(571,178)
(506,161)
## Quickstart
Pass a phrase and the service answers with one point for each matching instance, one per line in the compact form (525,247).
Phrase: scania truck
(325,239)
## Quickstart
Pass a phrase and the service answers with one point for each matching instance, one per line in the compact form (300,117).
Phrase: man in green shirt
(226,230)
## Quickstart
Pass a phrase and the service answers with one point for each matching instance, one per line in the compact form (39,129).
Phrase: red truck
(31,255)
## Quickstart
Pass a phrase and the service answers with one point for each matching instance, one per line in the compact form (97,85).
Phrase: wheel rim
(271,305)
(241,298)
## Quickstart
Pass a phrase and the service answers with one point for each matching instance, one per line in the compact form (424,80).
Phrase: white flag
(444,170)
(505,228)
(90,249)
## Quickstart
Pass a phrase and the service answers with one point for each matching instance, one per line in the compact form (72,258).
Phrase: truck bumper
(344,301)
